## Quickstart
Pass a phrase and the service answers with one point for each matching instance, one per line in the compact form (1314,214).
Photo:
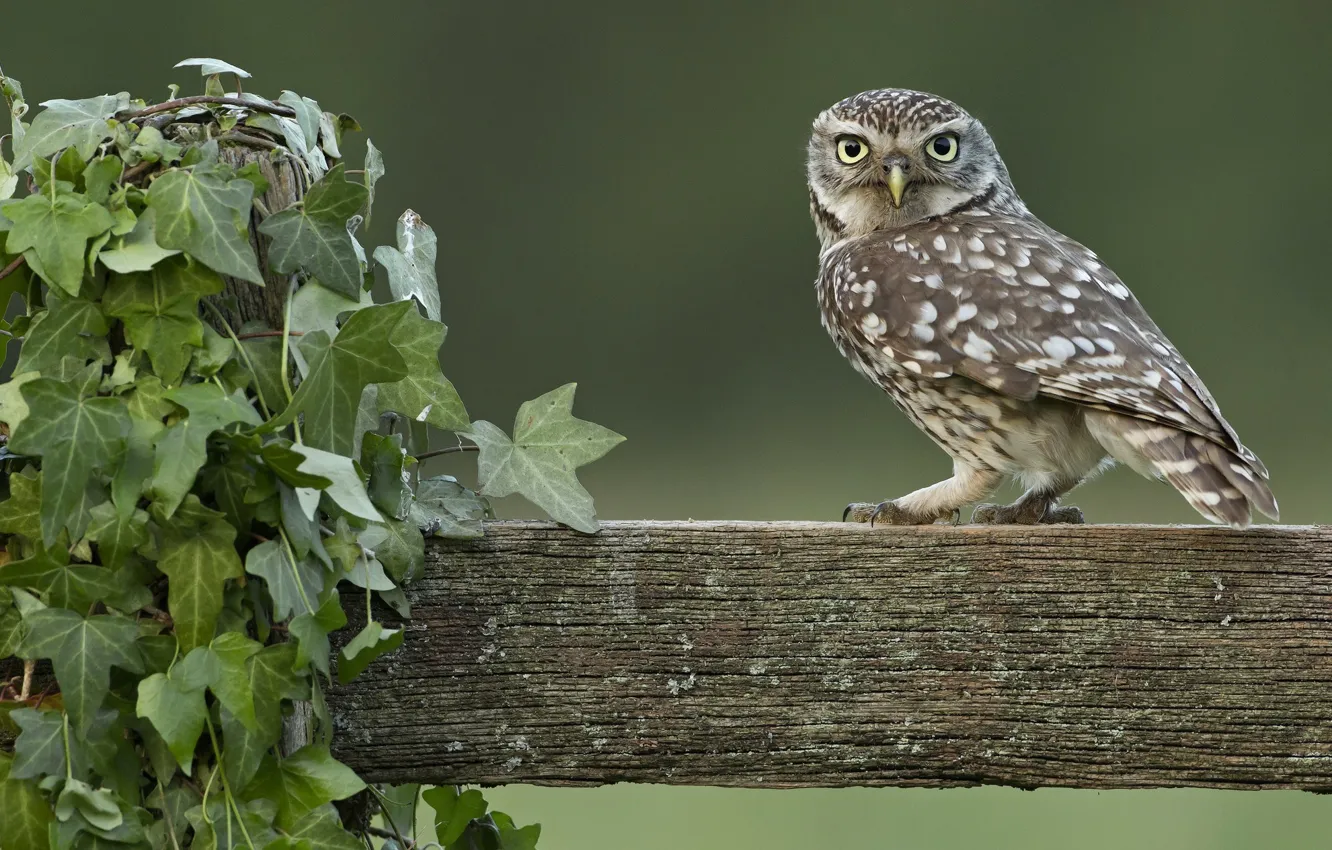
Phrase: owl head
(891,157)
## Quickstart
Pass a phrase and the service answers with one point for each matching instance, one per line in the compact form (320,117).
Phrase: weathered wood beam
(812,654)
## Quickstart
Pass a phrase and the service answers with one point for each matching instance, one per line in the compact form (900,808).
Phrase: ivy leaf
(139,251)
(8,180)
(307,115)
(402,552)
(74,435)
(374,169)
(56,227)
(312,630)
(98,807)
(160,309)
(548,444)
(304,781)
(82,652)
(13,409)
(291,583)
(70,328)
(21,512)
(340,369)
(513,838)
(100,175)
(454,810)
(183,448)
(117,536)
(39,749)
(345,486)
(370,642)
(204,214)
(209,67)
(313,235)
(62,585)
(389,487)
(198,563)
(425,394)
(231,685)
(322,828)
(28,815)
(176,711)
(81,124)
(271,680)
(411,266)
(445,508)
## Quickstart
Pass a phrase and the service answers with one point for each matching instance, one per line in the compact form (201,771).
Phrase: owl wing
(1022,309)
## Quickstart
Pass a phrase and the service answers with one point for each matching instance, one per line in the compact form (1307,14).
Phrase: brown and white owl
(1012,346)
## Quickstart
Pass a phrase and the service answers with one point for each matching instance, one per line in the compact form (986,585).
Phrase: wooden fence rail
(816,654)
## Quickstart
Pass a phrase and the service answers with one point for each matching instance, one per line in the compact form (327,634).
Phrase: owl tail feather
(1217,482)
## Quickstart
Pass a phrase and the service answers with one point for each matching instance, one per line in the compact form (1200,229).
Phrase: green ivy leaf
(340,369)
(445,508)
(28,815)
(389,486)
(82,650)
(291,583)
(231,684)
(55,227)
(425,394)
(304,781)
(61,584)
(312,631)
(21,512)
(198,562)
(322,828)
(13,409)
(374,169)
(271,680)
(307,115)
(209,67)
(176,711)
(81,124)
(100,175)
(160,309)
(117,535)
(206,214)
(345,486)
(411,266)
(402,552)
(513,838)
(39,749)
(182,449)
(98,807)
(8,180)
(370,642)
(74,434)
(454,810)
(69,329)
(548,444)
(313,235)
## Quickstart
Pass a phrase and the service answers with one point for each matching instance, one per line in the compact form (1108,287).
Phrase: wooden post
(809,654)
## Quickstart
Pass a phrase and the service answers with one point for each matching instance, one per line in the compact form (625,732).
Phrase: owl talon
(1026,513)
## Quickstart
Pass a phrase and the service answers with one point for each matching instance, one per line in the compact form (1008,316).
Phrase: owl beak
(896,184)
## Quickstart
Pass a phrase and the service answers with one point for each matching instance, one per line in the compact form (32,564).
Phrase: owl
(1013,347)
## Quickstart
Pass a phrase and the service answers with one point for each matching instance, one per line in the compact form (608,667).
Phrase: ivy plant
(185,499)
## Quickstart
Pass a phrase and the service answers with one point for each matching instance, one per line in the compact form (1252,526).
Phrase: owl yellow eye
(851,150)
(942,147)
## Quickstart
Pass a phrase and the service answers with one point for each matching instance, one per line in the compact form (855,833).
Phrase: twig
(178,103)
(262,334)
(28,667)
(12,267)
(446,451)
(252,141)
(133,172)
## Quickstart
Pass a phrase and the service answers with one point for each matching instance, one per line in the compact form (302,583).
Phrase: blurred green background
(619,196)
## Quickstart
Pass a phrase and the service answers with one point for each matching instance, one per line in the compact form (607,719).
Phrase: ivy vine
(185,498)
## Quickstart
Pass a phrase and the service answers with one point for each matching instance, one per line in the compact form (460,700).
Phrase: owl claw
(1027,513)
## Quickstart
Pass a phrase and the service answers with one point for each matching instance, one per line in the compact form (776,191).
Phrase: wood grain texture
(823,654)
